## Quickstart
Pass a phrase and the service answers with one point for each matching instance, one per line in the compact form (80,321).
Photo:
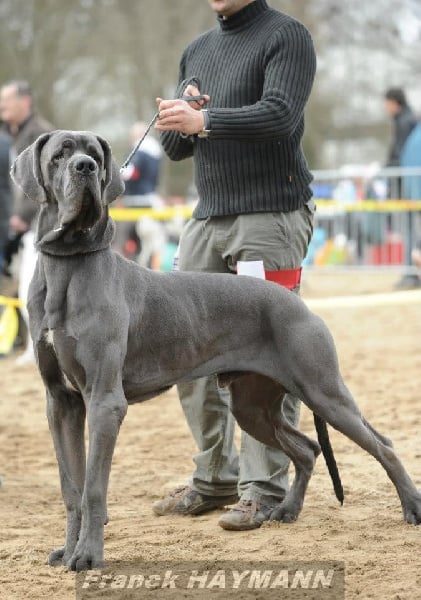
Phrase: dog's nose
(85,165)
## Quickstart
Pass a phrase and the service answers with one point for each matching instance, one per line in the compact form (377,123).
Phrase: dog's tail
(324,441)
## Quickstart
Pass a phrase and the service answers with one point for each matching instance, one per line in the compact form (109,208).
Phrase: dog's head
(73,170)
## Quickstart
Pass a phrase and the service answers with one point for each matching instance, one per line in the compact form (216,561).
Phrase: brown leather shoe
(185,501)
(246,514)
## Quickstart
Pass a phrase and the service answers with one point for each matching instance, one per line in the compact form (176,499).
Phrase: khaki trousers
(215,245)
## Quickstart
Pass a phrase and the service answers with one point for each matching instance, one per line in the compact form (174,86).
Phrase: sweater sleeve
(176,146)
(289,70)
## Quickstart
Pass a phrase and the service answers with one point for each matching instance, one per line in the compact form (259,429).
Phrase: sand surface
(380,356)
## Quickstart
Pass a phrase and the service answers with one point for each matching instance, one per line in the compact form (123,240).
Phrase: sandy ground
(379,351)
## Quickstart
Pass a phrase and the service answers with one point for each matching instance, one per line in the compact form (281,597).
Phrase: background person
(5,193)
(141,180)
(24,127)
(141,176)
(411,157)
(404,120)
(257,69)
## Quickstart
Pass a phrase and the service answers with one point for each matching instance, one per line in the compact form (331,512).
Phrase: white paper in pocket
(254,268)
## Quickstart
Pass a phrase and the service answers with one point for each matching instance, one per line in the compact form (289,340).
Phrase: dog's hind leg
(333,402)
(257,407)
(105,413)
(66,418)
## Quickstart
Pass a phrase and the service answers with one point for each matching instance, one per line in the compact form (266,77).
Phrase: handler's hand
(178,115)
(192,90)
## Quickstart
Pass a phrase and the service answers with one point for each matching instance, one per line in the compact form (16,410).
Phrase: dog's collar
(70,243)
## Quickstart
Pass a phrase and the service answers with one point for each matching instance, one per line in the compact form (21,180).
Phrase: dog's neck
(66,242)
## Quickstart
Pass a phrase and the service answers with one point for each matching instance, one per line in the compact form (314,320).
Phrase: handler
(256,69)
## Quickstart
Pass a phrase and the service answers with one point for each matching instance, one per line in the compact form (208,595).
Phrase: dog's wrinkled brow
(68,143)
(94,151)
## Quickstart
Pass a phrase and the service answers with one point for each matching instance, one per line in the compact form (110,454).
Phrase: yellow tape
(160,214)
(9,325)
(169,212)
(6,301)
(371,205)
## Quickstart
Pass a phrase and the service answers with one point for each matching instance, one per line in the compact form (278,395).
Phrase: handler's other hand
(178,115)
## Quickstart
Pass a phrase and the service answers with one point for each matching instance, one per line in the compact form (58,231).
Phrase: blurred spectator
(404,121)
(416,259)
(5,193)
(411,157)
(24,126)
(141,178)
(360,182)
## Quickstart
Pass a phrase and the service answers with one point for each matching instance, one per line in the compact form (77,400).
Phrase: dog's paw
(85,559)
(412,511)
(285,512)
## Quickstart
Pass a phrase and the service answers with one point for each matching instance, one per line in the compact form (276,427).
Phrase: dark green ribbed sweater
(258,67)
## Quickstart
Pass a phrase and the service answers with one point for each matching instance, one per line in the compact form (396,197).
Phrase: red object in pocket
(289,278)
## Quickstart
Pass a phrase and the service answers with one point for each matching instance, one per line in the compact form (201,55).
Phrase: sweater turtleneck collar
(243,17)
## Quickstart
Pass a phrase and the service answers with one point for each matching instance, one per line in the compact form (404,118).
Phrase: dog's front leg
(66,417)
(105,414)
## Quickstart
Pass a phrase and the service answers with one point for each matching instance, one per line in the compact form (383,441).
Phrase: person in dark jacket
(5,192)
(255,210)
(141,176)
(404,121)
(24,127)
(141,180)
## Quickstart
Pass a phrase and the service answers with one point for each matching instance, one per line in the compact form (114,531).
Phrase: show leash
(136,147)
(184,84)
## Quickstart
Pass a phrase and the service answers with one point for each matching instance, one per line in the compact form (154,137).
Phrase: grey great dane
(108,333)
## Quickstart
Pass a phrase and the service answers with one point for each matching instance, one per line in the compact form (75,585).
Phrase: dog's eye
(96,158)
(58,156)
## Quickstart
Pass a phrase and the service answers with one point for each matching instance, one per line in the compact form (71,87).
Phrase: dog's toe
(285,513)
(84,561)
(55,558)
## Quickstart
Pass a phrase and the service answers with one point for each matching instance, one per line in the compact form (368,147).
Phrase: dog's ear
(26,170)
(113,183)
